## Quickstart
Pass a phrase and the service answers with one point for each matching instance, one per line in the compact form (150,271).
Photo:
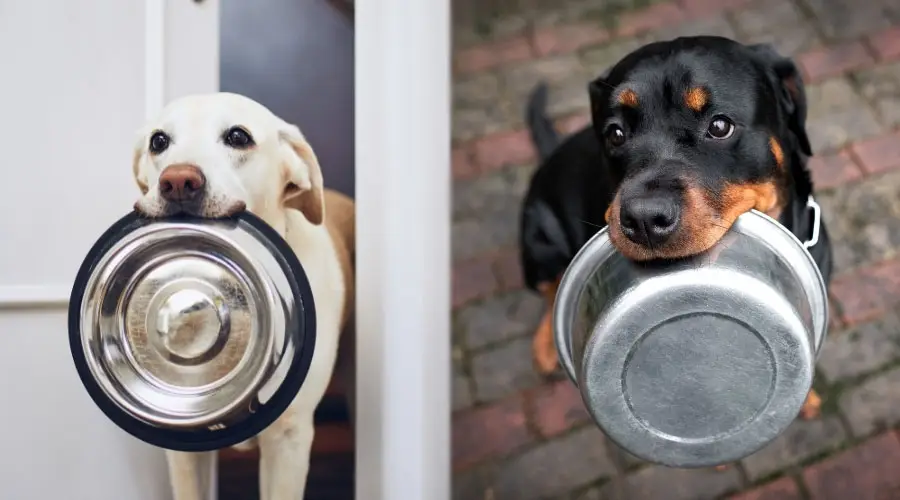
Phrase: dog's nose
(182,182)
(649,220)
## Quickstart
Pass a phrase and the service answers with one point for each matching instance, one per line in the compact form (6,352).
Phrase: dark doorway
(296,58)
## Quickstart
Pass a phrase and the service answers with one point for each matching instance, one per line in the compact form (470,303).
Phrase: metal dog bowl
(700,361)
(192,334)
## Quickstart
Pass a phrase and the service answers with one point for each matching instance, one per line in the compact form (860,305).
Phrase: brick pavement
(519,437)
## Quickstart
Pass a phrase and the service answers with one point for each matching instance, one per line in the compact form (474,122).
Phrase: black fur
(579,176)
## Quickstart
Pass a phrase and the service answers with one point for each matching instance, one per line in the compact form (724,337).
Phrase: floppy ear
(303,177)
(598,91)
(791,91)
(139,177)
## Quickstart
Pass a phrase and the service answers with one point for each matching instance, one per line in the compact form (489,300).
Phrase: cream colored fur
(279,180)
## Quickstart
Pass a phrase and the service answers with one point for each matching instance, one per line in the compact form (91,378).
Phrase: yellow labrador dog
(213,156)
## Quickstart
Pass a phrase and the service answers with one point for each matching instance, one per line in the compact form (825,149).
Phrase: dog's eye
(615,135)
(159,142)
(720,128)
(237,138)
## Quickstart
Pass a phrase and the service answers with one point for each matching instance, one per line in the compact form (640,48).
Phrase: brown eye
(237,138)
(615,135)
(720,128)
(159,142)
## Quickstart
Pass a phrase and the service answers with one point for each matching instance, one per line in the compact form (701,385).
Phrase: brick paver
(836,115)
(801,441)
(872,405)
(556,407)
(556,467)
(886,44)
(516,436)
(854,352)
(880,85)
(864,219)
(835,170)
(781,489)
(868,292)
(879,154)
(654,481)
(868,470)
(834,60)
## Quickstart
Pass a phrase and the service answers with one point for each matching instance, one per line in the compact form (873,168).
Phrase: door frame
(403,225)
(181,56)
(169,71)
(403,284)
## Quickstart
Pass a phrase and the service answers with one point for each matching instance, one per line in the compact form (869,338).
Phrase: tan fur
(696,98)
(340,220)
(279,180)
(812,406)
(777,152)
(543,344)
(740,198)
(704,220)
(628,98)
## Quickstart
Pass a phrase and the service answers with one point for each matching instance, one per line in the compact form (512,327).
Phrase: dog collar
(812,206)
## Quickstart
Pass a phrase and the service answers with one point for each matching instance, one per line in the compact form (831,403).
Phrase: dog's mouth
(703,222)
(204,210)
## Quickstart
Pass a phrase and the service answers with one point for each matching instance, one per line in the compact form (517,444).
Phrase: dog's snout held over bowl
(182,183)
(215,155)
(650,216)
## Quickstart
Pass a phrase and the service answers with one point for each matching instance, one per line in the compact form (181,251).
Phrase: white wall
(78,79)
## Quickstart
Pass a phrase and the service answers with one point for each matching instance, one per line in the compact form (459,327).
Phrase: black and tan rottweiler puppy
(686,136)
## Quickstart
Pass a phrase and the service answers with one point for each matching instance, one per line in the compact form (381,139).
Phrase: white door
(76,81)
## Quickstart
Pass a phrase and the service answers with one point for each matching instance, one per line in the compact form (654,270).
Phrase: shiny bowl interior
(187,331)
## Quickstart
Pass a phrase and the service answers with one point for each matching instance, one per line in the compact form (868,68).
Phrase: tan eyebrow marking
(628,98)
(777,152)
(696,98)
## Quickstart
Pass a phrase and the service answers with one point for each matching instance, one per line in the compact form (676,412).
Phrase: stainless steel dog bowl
(192,334)
(700,361)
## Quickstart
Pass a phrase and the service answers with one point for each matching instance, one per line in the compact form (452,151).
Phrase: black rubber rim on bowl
(200,439)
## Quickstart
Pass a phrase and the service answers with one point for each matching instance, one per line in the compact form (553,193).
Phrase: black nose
(649,220)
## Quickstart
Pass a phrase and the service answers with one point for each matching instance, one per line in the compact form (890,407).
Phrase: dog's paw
(544,348)
(545,361)
(812,407)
